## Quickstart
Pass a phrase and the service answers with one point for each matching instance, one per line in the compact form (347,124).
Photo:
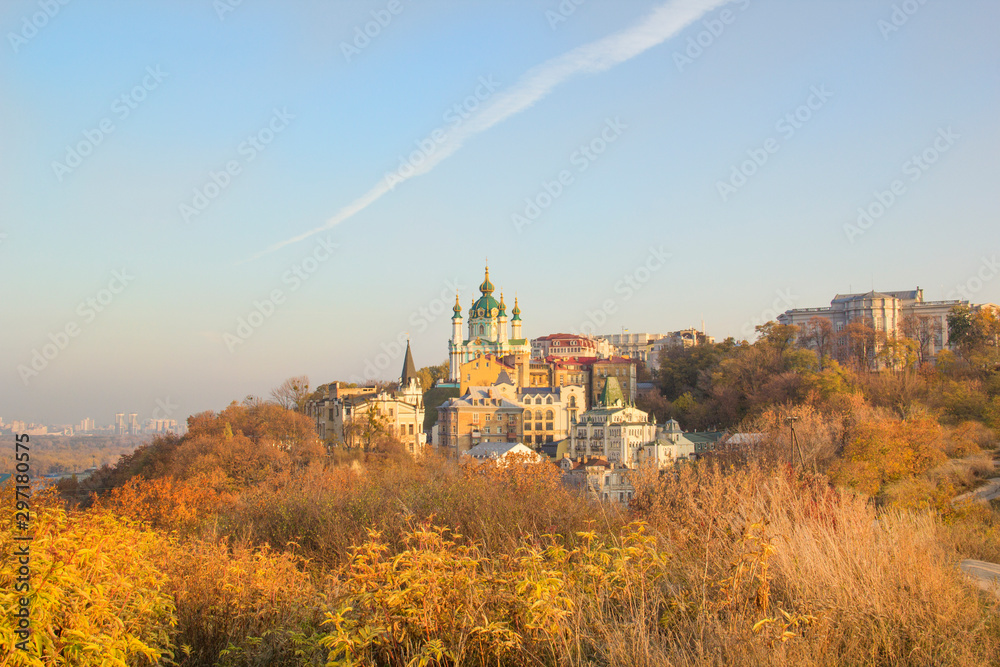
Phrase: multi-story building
(482,414)
(504,412)
(549,413)
(487,333)
(613,429)
(599,478)
(888,312)
(623,369)
(569,345)
(336,408)
(568,371)
(646,347)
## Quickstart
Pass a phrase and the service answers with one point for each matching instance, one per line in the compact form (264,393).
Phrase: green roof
(611,394)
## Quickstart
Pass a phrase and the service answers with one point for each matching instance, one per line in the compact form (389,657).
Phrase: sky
(201,198)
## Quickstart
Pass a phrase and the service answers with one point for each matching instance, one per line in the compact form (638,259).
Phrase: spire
(457,309)
(487,287)
(409,369)
(516,311)
(611,394)
(503,306)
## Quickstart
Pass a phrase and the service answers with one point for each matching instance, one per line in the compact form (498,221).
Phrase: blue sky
(199,82)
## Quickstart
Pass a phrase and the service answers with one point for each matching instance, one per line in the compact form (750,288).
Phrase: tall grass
(431,563)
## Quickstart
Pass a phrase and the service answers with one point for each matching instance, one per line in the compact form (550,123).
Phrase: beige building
(336,407)
(570,345)
(504,413)
(646,346)
(598,478)
(891,312)
(613,429)
(481,415)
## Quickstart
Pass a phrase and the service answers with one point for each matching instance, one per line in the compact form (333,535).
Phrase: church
(487,333)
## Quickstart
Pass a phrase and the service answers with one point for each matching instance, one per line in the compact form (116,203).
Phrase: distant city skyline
(199,200)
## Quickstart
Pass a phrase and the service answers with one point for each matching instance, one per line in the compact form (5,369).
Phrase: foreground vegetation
(241,544)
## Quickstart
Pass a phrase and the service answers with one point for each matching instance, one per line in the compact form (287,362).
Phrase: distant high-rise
(120,423)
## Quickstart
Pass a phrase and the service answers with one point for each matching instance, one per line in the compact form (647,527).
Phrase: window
(538,415)
(486,430)
(411,429)
(548,415)
(548,400)
(489,417)
(527,426)
(475,418)
(548,426)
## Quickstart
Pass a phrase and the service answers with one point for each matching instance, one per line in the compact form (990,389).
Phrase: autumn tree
(926,331)
(976,334)
(292,393)
(430,374)
(817,334)
(858,343)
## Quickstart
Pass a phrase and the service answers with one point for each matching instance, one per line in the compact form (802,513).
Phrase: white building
(612,430)
(501,452)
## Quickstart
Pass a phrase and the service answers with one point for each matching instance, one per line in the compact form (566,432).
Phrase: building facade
(613,430)
(570,345)
(894,313)
(481,415)
(336,408)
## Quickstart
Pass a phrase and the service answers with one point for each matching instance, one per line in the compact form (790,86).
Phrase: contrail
(661,24)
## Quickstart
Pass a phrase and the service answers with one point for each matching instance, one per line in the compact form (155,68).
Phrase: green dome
(487,303)
(516,311)
(487,287)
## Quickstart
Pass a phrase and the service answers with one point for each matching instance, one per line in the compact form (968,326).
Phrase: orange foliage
(885,450)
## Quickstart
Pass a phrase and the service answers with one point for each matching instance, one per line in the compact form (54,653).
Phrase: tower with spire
(487,331)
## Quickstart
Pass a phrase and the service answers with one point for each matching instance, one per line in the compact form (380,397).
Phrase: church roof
(409,369)
(611,394)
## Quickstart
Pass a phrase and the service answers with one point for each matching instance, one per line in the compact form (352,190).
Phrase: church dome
(486,304)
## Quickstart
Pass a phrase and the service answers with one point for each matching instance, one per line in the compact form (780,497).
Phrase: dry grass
(433,564)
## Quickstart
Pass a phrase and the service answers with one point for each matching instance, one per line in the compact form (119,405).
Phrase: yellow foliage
(96,597)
